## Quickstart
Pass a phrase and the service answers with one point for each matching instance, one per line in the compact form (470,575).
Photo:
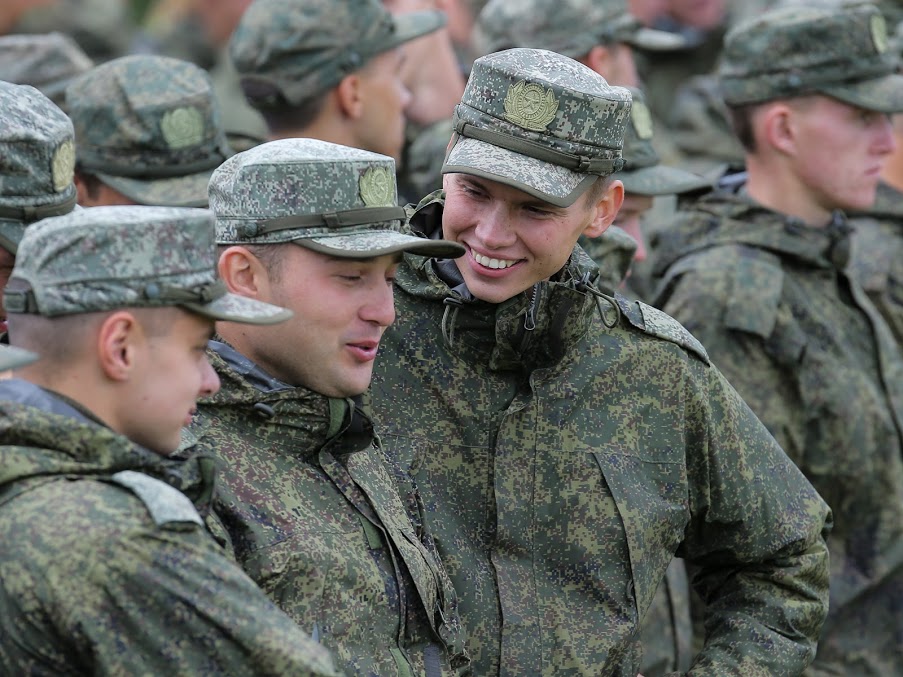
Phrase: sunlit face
(382,88)
(629,219)
(341,309)
(513,240)
(171,373)
(841,151)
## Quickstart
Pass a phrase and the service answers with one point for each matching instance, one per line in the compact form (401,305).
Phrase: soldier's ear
(777,128)
(244,273)
(118,340)
(349,96)
(605,209)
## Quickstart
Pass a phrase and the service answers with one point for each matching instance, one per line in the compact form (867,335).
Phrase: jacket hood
(531,330)
(727,216)
(43,435)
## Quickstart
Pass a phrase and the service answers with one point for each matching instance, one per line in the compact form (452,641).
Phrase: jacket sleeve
(164,600)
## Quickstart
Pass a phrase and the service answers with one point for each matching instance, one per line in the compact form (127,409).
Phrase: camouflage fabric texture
(103,258)
(334,199)
(876,258)
(643,173)
(316,519)
(149,126)
(101,28)
(37,161)
(562,468)
(569,27)
(539,122)
(810,354)
(795,50)
(47,61)
(306,47)
(107,569)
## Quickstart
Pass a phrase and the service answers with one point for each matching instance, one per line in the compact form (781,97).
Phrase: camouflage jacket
(105,567)
(315,518)
(812,357)
(566,447)
(876,261)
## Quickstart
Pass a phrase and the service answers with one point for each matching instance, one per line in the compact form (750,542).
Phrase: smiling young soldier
(308,499)
(106,567)
(566,443)
(759,268)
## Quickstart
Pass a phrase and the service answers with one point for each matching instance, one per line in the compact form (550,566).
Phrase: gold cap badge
(377,187)
(879,33)
(62,166)
(530,106)
(183,127)
(642,120)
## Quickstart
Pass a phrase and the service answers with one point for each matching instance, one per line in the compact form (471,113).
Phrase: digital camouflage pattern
(876,260)
(316,520)
(643,173)
(563,467)
(792,51)
(37,161)
(613,252)
(306,47)
(540,122)
(569,27)
(103,258)
(770,299)
(47,61)
(106,567)
(149,126)
(334,199)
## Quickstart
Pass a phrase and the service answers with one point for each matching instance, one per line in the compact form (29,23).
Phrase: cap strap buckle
(31,213)
(341,219)
(202,294)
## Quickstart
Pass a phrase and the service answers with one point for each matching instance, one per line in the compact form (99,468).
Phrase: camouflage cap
(104,258)
(539,122)
(333,199)
(794,51)
(569,27)
(149,126)
(643,173)
(306,47)
(13,358)
(48,61)
(37,158)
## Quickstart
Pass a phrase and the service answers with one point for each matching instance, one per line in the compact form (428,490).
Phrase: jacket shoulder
(165,504)
(654,322)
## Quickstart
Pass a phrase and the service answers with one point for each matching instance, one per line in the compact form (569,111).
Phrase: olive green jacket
(106,568)
(809,353)
(567,446)
(314,516)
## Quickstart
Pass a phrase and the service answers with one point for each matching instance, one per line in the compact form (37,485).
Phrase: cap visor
(178,191)
(661,180)
(234,308)
(657,41)
(884,95)
(551,183)
(410,25)
(379,243)
(13,358)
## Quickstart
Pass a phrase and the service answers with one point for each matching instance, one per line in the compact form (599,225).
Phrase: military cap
(305,47)
(643,173)
(539,122)
(793,51)
(104,258)
(149,126)
(48,61)
(13,358)
(37,158)
(569,27)
(329,198)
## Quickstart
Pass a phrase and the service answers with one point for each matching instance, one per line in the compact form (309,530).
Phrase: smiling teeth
(492,263)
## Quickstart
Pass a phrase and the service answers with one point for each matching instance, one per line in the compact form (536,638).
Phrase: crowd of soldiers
(451,337)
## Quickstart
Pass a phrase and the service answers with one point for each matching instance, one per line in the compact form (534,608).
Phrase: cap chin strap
(339,219)
(581,164)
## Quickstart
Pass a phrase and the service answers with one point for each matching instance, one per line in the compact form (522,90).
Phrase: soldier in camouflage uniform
(567,443)
(106,566)
(37,157)
(757,269)
(47,61)
(147,131)
(329,69)
(308,498)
